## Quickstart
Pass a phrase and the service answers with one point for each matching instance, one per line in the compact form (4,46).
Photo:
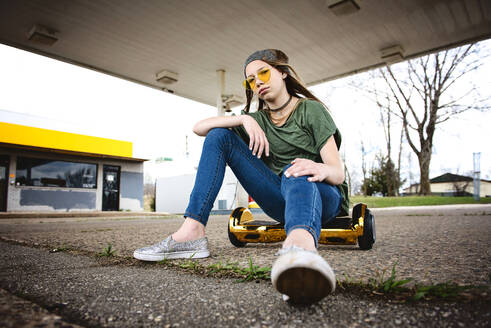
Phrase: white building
(172,193)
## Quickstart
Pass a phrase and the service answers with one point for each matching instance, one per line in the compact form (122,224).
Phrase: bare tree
(355,182)
(460,187)
(401,140)
(423,96)
(382,99)
(393,176)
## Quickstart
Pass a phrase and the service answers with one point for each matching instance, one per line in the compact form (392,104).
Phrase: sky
(46,93)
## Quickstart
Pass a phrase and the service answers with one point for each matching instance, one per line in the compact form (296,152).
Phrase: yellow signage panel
(37,137)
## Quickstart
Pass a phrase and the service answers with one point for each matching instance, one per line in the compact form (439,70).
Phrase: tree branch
(401,92)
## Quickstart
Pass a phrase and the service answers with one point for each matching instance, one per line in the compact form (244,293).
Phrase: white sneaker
(171,249)
(303,276)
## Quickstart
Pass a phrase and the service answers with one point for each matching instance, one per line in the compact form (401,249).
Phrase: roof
(26,137)
(136,40)
(449,177)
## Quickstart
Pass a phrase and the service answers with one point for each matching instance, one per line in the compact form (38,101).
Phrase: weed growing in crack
(254,272)
(221,267)
(389,285)
(441,290)
(190,264)
(107,251)
(349,281)
(381,285)
(249,273)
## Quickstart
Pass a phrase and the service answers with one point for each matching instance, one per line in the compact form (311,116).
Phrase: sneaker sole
(303,285)
(170,256)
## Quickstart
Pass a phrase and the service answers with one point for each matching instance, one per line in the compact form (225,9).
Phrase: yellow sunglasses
(263,74)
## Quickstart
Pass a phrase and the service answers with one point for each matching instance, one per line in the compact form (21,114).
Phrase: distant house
(411,190)
(449,184)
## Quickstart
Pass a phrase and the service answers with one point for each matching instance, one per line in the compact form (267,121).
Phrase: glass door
(4,181)
(110,189)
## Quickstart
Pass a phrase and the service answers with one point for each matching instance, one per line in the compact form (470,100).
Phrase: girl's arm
(257,139)
(330,171)
(204,126)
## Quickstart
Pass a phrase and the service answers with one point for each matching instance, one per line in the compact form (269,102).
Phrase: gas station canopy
(179,45)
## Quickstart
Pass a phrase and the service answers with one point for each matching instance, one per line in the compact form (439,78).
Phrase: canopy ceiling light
(393,54)
(166,77)
(42,34)
(343,7)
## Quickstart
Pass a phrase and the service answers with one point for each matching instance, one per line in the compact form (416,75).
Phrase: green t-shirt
(302,135)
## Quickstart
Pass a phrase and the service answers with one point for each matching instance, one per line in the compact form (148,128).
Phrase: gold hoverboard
(357,229)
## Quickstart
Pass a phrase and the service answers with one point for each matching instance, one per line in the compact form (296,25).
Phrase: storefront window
(54,173)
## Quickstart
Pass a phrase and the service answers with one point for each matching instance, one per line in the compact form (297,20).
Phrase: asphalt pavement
(429,244)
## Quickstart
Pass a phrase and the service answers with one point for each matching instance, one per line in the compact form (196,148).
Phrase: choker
(281,107)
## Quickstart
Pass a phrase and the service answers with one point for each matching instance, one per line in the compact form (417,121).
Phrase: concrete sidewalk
(430,244)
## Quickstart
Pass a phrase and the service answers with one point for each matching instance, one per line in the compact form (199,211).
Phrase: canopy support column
(221,91)
(242,196)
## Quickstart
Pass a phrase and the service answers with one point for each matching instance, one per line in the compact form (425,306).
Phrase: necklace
(281,107)
(281,118)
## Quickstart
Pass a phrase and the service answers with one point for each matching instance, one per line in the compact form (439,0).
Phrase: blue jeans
(295,202)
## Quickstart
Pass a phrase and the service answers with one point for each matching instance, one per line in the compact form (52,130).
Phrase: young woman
(286,157)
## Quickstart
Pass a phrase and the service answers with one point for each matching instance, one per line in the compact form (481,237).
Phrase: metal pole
(477,175)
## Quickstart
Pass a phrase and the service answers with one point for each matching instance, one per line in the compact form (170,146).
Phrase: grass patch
(375,202)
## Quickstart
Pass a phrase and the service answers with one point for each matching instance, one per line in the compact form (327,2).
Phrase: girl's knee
(218,133)
(218,136)
(296,180)
(292,179)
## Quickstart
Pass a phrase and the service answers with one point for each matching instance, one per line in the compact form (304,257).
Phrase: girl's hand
(302,166)
(257,139)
